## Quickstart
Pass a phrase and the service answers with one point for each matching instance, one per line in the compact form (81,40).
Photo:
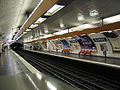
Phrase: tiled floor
(15,76)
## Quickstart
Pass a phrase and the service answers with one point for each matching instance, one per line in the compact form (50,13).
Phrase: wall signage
(100,39)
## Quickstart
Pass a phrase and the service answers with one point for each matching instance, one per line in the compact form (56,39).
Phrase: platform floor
(15,76)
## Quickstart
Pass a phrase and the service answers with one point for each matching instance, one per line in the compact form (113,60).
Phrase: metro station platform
(16,74)
(80,73)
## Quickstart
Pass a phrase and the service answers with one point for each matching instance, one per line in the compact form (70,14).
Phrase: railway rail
(71,72)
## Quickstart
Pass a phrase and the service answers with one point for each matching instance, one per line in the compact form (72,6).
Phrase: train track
(70,72)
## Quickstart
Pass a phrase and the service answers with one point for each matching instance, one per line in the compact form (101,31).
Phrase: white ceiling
(69,15)
(13,14)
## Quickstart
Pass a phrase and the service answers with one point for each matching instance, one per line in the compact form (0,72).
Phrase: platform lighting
(53,10)
(61,32)
(24,32)
(109,31)
(112,19)
(82,27)
(28,30)
(19,37)
(46,36)
(92,33)
(33,25)
(40,20)
(46,29)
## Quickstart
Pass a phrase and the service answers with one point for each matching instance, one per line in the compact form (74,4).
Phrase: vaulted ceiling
(13,13)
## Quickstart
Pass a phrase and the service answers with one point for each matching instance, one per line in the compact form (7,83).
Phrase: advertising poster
(44,44)
(114,38)
(55,43)
(85,42)
(65,43)
(74,44)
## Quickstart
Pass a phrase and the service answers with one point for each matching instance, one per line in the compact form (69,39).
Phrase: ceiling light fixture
(40,20)
(45,29)
(53,10)
(112,19)
(24,32)
(33,25)
(28,30)
(82,27)
(61,32)
(46,36)
(109,31)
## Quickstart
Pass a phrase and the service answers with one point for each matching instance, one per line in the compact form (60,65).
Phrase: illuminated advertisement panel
(114,38)
(85,42)
(57,44)
(44,44)
(75,44)
(65,43)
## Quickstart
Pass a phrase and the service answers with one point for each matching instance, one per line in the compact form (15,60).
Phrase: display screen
(85,42)
(65,43)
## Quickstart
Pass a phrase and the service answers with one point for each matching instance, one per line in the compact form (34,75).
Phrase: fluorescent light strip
(24,32)
(40,20)
(46,36)
(28,30)
(61,32)
(32,12)
(53,10)
(82,27)
(109,31)
(112,19)
(30,15)
(33,25)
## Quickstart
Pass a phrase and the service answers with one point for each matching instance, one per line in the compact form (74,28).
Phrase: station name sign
(100,39)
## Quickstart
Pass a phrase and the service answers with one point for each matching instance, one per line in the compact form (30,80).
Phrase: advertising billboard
(85,42)
(65,43)
(114,38)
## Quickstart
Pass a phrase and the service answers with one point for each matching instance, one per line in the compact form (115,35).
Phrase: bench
(86,52)
(66,50)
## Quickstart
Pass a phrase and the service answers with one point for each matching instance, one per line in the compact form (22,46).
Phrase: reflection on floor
(15,76)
